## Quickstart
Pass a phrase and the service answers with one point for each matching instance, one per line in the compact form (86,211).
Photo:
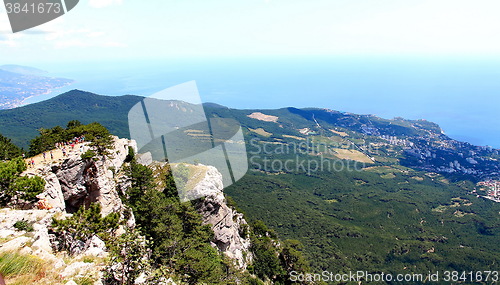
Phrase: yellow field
(294,137)
(352,155)
(261,131)
(342,134)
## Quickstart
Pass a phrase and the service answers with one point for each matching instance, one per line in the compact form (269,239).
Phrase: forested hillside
(358,191)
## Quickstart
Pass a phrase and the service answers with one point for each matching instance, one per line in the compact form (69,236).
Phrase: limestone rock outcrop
(38,242)
(53,193)
(72,182)
(75,182)
(229,226)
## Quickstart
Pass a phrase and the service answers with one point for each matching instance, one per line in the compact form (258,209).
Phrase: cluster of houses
(397,141)
(492,188)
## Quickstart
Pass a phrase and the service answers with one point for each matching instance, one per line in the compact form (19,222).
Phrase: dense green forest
(418,144)
(371,221)
(408,207)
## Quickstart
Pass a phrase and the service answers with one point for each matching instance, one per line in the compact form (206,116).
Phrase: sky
(97,34)
(98,30)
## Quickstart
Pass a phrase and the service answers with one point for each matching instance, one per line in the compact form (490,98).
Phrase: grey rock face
(145,158)
(53,192)
(75,182)
(229,226)
(74,175)
(39,238)
(95,247)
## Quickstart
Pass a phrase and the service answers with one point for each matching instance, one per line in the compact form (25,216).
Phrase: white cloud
(104,3)
(10,40)
(7,38)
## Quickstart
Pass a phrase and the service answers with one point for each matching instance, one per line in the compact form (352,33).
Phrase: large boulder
(95,247)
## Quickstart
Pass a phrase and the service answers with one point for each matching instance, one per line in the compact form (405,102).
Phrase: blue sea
(462,95)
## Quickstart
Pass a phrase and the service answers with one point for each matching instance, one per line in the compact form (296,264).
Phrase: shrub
(129,258)
(88,155)
(23,225)
(130,155)
(83,225)
(85,280)
(12,184)
(101,139)
(8,150)
(29,187)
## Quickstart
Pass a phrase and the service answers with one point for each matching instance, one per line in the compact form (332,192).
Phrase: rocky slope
(229,226)
(72,182)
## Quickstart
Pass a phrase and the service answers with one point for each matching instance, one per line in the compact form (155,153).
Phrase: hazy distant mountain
(26,70)
(17,83)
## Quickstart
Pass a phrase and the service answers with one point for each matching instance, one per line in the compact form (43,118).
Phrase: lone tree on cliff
(101,139)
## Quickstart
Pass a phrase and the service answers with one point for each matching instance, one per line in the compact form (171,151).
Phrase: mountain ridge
(414,143)
(27,70)
(22,123)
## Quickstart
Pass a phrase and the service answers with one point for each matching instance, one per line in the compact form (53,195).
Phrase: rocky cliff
(72,182)
(229,226)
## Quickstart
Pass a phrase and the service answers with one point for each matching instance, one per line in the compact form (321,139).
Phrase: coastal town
(15,87)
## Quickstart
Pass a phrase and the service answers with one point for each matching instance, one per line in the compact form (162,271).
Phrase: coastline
(47,92)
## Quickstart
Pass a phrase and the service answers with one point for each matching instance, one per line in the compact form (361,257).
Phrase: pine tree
(8,150)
